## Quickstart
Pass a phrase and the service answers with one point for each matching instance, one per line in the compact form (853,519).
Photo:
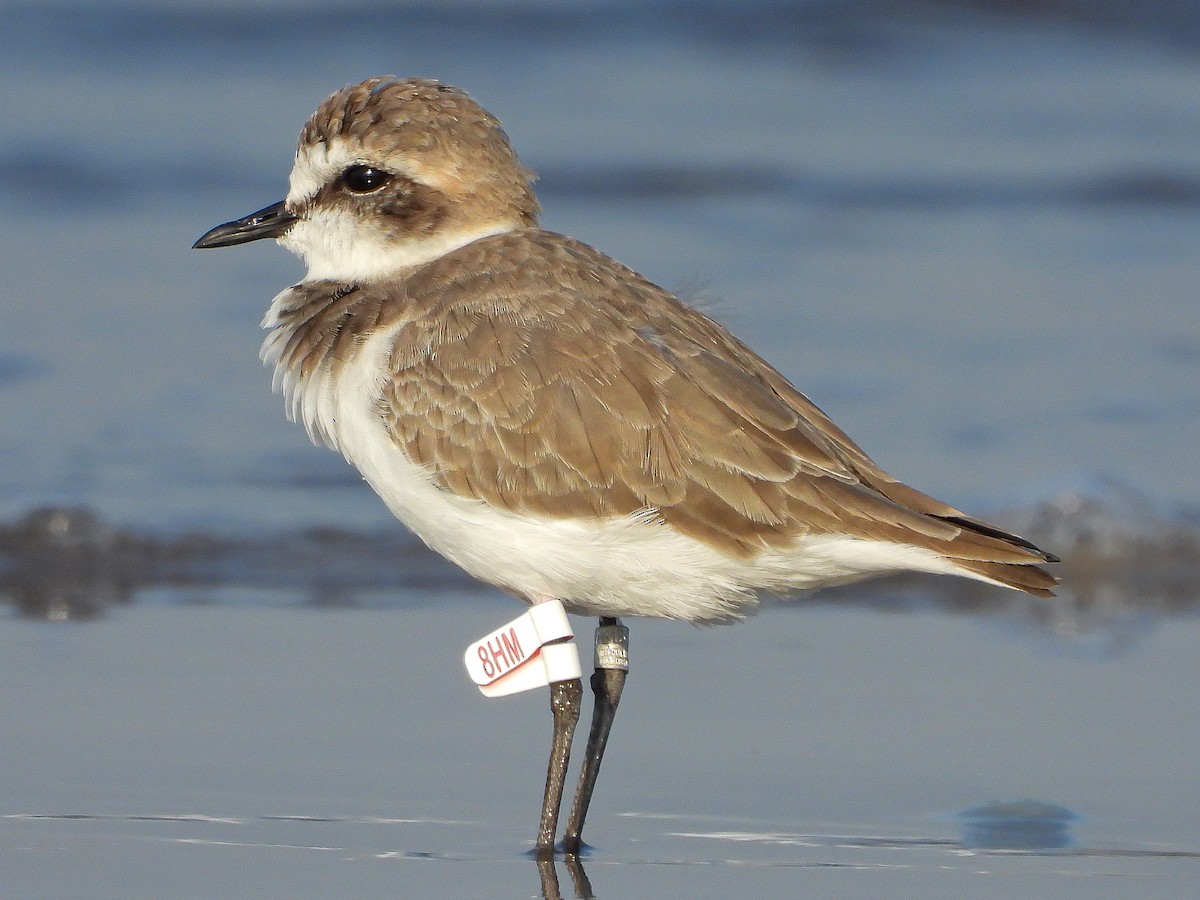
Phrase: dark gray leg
(565,700)
(612,663)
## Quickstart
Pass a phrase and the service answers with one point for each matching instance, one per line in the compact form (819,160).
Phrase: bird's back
(531,373)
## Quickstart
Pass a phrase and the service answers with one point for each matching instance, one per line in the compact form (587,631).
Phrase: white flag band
(520,656)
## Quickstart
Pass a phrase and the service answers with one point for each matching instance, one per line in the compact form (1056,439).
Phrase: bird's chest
(343,408)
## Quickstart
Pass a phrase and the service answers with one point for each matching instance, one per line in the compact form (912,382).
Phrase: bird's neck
(341,252)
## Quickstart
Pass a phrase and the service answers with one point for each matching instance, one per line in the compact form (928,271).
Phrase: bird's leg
(612,664)
(565,699)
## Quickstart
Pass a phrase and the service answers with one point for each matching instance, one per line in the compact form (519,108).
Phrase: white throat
(338,247)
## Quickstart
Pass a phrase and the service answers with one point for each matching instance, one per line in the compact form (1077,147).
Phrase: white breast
(625,566)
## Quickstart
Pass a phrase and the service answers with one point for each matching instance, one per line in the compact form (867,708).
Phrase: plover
(551,421)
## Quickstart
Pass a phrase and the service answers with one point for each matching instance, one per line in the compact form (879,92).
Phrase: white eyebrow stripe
(316,165)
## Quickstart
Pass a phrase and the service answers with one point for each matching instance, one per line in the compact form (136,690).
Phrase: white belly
(626,566)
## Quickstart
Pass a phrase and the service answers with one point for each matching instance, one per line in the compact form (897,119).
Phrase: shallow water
(970,237)
(192,747)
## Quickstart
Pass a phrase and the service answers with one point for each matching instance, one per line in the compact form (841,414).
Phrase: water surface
(970,235)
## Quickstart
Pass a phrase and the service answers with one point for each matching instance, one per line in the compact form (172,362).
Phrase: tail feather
(979,550)
(986,552)
(992,531)
(1030,579)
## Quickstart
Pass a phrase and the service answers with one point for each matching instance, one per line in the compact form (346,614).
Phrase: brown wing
(537,374)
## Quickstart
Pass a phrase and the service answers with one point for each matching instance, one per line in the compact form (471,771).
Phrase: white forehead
(317,165)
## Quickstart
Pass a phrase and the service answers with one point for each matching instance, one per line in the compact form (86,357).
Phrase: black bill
(270,222)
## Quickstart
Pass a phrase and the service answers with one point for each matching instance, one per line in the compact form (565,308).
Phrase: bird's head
(390,174)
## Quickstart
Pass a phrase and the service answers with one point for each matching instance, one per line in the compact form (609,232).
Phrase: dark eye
(364,179)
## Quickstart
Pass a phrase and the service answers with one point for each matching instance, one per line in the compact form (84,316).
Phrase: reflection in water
(1017,825)
(66,564)
(1123,569)
(548,875)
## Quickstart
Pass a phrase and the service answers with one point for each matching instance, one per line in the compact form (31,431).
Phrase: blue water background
(969,236)
(968,231)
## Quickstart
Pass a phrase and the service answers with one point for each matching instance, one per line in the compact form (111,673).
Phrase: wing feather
(536,374)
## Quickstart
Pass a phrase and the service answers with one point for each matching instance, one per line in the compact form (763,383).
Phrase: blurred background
(967,230)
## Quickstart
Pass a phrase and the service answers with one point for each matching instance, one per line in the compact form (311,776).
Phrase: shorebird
(551,421)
